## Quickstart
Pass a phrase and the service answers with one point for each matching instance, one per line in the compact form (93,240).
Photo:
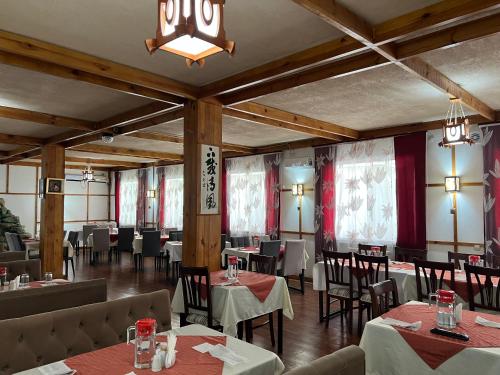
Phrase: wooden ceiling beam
(20,140)
(91,161)
(111,150)
(292,118)
(48,52)
(45,118)
(29,163)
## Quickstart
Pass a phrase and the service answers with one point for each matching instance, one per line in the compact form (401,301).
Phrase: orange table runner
(435,349)
(119,359)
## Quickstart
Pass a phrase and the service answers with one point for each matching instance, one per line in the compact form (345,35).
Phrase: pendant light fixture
(193,29)
(456,128)
(88,174)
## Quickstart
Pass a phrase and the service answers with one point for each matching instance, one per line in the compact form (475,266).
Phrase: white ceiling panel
(17,127)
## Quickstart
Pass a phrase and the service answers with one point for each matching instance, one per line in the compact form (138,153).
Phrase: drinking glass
(3,275)
(48,277)
(24,280)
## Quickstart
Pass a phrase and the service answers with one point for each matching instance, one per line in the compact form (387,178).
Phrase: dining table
(137,244)
(252,296)
(393,350)
(33,248)
(35,285)
(119,359)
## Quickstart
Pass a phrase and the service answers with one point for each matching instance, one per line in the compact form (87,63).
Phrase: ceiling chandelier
(88,174)
(456,127)
(193,29)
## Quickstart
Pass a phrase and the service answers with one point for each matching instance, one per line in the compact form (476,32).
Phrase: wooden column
(52,213)
(202,233)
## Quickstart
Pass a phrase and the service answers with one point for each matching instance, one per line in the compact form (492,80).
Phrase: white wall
(82,203)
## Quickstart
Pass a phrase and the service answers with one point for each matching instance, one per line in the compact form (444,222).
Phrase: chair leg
(350,307)
(301,276)
(66,268)
(271,329)
(360,318)
(73,267)
(327,310)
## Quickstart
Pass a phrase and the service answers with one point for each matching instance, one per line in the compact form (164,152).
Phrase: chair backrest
(263,264)
(384,296)
(367,249)
(151,244)
(87,229)
(435,275)
(146,229)
(370,269)
(125,239)
(100,240)
(270,248)
(20,244)
(175,235)
(196,291)
(346,361)
(9,256)
(293,259)
(10,244)
(240,241)
(458,259)
(36,340)
(17,267)
(402,254)
(338,269)
(64,234)
(73,238)
(14,241)
(484,281)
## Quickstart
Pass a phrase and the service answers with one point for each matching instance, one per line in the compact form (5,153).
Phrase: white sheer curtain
(174,197)
(365,185)
(128,197)
(246,195)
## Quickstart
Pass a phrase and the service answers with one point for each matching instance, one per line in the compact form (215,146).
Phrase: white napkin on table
(226,355)
(57,368)
(415,326)
(487,323)
(14,284)
(170,357)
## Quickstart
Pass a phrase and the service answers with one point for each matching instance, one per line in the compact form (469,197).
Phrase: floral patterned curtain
(128,198)
(491,180)
(246,195)
(324,200)
(272,166)
(173,216)
(365,191)
(142,178)
(160,211)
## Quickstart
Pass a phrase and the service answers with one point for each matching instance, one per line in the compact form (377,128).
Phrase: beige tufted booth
(346,361)
(36,340)
(18,303)
(9,256)
(17,267)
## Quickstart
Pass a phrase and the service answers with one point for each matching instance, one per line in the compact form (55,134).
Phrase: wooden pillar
(52,213)
(202,232)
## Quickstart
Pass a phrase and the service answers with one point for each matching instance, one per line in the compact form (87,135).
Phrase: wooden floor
(305,339)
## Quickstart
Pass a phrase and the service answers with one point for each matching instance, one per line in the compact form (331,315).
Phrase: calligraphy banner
(210,179)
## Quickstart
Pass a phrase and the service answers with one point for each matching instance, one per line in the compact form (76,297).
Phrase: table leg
(249,330)
(240,330)
(280,331)
(321,306)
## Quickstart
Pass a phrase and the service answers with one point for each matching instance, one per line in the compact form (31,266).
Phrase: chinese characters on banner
(210,168)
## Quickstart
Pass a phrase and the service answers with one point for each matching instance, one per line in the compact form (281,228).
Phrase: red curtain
(161,198)
(142,179)
(117,198)
(224,213)
(272,189)
(410,157)
(491,173)
(324,200)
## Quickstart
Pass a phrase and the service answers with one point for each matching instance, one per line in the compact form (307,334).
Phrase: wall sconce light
(452,184)
(151,193)
(298,190)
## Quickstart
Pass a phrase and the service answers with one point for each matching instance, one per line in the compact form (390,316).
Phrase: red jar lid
(446,296)
(3,270)
(233,260)
(145,327)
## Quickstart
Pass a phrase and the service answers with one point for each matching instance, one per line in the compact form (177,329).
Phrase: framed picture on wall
(54,186)
(41,188)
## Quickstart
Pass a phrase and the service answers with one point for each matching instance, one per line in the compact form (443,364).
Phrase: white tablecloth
(387,353)
(33,248)
(175,250)
(239,252)
(234,304)
(259,361)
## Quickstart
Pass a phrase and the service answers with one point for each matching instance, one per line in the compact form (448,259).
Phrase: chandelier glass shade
(456,130)
(88,174)
(193,29)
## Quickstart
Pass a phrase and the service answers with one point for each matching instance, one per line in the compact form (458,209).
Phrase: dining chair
(86,231)
(151,248)
(367,249)
(458,259)
(240,241)
(402,254)
(267,265)
(484,281)
(369,270)
(270,248)
(12,243)
(384,296)
(430,270)
(175,235)
(197,297)
(339,284)
(73,240)
(100,244)
(293,262)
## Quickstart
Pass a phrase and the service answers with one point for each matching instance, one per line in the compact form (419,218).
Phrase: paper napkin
(487,323)
(415,326)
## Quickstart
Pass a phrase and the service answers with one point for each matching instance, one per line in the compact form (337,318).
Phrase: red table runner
(119,359)
(435,349)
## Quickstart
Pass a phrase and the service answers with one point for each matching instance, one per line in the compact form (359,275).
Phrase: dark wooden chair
(455,258)
(151,248)
(370,269)
(367,249)
(339,286)
(487,285)
(197,302)
(175,235)
(384,296)
(73,240)
(262,264)
(434,276)
(402,254)
(146,229)
(241,241)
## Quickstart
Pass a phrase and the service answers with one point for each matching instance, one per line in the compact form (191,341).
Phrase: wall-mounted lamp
(298,190)
(452,184)
(151,193)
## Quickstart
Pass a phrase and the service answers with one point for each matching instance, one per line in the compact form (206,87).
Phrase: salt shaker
(156,366)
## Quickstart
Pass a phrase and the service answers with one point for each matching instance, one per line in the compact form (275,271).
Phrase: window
(246,195)
(365,185)
(174,203)
(128,197)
